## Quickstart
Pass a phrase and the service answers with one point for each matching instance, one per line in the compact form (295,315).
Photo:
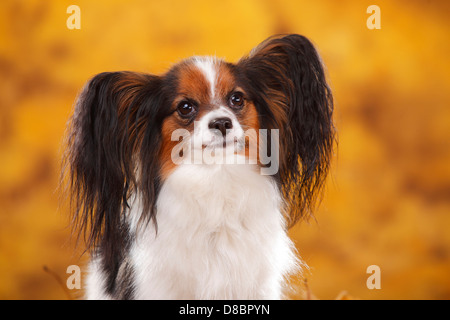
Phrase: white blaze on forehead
(208,67)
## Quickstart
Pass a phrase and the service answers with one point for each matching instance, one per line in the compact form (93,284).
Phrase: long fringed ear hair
(286,79)
(114,129)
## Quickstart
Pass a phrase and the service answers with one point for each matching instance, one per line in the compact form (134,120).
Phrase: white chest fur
(220,235)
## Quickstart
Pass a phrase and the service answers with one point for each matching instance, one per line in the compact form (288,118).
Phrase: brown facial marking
(225,82)
(165,156)
(193,84)
(247,116)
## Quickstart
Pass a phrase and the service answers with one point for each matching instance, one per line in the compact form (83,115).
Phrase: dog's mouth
(224,143)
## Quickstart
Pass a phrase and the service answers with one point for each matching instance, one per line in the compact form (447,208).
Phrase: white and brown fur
(158,230)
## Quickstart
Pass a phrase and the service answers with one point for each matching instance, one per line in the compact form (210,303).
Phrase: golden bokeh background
(387,201)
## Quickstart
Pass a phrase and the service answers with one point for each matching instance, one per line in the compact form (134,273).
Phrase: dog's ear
(114,128)
(288,75)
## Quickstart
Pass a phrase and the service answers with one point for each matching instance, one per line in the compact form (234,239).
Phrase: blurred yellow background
(387,201)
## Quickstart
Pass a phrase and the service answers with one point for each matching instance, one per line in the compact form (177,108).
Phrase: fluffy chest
(220,235)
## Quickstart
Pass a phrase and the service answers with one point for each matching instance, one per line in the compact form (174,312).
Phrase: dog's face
(210,102)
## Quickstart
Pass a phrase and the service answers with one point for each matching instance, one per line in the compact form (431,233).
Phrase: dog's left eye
(237,100)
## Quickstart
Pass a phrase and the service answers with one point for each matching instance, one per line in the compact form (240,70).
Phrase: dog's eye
(237,100)
(186,109)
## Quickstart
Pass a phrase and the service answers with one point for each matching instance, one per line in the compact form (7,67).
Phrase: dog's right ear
(114,128)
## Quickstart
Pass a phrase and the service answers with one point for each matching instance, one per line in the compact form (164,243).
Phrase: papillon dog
(184,184)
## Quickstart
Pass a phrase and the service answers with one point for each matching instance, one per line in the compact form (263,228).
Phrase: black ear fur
(288,74)
(114,127)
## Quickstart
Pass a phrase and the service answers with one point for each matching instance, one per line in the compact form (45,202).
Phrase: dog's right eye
(186,109)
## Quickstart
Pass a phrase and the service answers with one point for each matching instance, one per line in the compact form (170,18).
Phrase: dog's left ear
(287,75)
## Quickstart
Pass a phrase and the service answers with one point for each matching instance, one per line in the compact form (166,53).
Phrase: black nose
(221,124)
